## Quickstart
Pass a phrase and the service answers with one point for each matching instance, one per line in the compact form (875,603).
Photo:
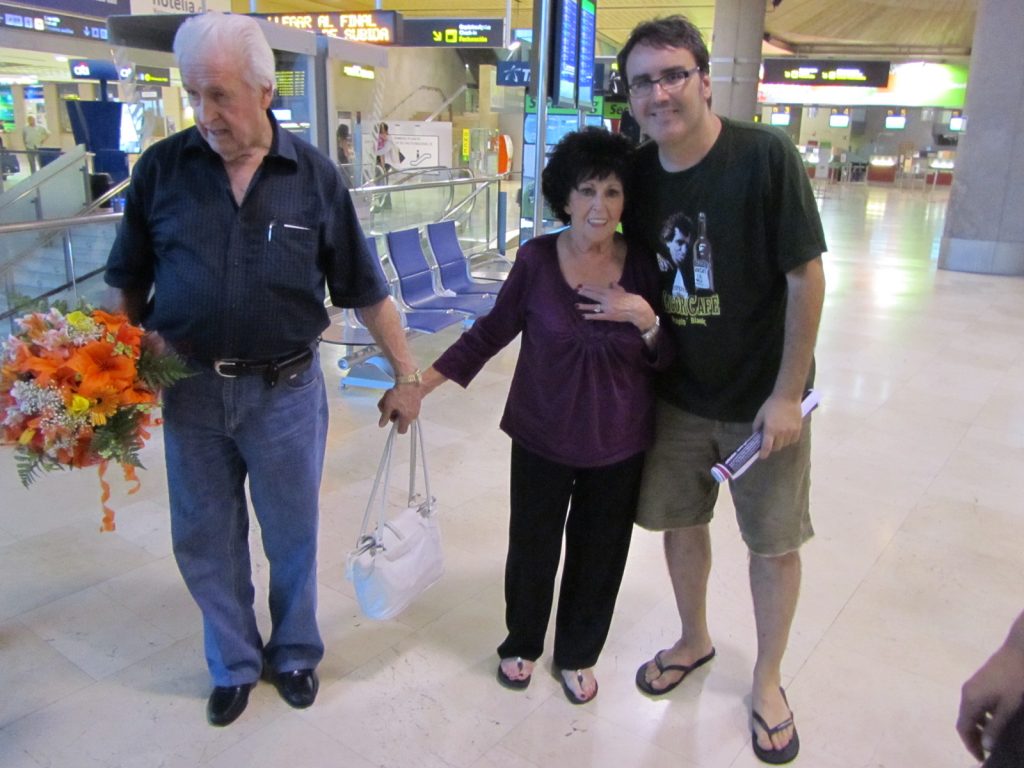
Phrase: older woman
(579,411)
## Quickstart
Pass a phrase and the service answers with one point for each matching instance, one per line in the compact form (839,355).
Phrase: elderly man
(231,230)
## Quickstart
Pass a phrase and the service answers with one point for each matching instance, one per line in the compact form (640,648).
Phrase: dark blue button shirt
(245,281)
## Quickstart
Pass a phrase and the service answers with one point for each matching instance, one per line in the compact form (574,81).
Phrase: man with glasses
(745,354)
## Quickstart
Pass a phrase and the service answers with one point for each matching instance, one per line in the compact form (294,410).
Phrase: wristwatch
(650,333)
(410,378)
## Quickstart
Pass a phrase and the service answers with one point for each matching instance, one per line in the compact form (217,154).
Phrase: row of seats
(429,294)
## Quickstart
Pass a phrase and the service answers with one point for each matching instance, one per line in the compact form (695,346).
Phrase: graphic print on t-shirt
(687,266)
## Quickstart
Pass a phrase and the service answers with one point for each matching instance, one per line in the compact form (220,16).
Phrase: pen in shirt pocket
(294,227)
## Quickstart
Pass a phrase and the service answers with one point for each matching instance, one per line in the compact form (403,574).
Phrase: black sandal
(508,682)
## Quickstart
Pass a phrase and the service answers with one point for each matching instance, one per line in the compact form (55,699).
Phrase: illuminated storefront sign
(872,74)
(363,73)
(912,83)
(377,27)
(453,33)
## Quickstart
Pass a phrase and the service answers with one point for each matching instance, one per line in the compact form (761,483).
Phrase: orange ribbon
(130,476)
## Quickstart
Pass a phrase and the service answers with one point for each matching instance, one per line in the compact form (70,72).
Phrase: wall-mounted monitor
(957,124)
(564,53)
(588,30)
(895,122)
(838,121)
(779,118)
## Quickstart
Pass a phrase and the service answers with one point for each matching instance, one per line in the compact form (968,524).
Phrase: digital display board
(588,32)
(377,27)
(871,74)
(564,52)
(453,33)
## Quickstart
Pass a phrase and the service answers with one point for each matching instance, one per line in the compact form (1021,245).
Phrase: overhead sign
(513,73)
(453,33)
(97,69)
(377,27)
(152,75)
(98,8)
(32,20)
(872,74)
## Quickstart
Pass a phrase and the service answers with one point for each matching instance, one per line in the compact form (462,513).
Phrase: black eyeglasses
(671,81)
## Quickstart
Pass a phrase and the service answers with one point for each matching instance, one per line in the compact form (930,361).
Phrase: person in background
(33,136)
(388,159)
(343,138)
(231,230)
(991,715)
(745,355)
(579,412)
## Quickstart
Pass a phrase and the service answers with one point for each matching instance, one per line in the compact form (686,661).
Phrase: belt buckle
(217,368)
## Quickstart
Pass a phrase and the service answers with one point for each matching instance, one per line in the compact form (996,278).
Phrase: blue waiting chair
(416,279)
(425,321)
(452,265)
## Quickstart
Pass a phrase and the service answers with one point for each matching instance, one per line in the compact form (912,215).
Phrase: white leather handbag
(401,557)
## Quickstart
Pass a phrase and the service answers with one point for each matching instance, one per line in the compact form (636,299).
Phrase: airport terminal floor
(911,582)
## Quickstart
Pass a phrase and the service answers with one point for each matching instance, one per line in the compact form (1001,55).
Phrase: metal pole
(539,77)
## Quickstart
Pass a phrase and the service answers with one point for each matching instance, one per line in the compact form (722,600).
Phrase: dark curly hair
(670,32)
(580,156)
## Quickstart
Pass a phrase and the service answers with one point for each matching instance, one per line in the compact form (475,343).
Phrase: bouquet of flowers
(78,389)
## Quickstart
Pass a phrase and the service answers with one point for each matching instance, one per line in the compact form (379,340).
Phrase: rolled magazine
(739,461)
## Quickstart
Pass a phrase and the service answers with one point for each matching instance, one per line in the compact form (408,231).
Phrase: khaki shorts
(678,491)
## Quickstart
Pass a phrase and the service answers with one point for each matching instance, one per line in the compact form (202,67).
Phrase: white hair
(210,33)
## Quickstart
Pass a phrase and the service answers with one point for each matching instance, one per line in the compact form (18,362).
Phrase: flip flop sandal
(570,694)
(508,682)
(775,756)
(644,685)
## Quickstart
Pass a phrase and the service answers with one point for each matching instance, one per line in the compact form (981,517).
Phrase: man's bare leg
(688,554)
(775,586)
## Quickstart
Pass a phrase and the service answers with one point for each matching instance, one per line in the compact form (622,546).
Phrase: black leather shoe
(226,703)
(298,688)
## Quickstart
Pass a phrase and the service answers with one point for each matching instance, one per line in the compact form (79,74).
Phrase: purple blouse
(581,394)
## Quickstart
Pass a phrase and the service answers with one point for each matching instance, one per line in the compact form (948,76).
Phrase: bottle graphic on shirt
(703,273)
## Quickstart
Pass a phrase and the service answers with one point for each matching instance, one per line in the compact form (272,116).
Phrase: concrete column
(984,222)
(736,57)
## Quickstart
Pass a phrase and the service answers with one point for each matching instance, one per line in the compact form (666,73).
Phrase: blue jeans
(217,433)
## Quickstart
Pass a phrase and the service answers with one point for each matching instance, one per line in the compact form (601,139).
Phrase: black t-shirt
(726,231)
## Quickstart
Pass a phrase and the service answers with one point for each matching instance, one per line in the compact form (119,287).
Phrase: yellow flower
(79,405)
(26,436)
(79,321)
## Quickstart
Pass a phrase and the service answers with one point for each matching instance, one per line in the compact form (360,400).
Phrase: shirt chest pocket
(290,255)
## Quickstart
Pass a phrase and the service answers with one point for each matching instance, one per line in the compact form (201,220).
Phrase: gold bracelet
(650,333)
(415,377)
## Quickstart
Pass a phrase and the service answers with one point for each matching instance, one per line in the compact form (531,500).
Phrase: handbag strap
(378,495)
(379,492)
(417,438)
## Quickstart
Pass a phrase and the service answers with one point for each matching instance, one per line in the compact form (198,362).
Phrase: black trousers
(600,504)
